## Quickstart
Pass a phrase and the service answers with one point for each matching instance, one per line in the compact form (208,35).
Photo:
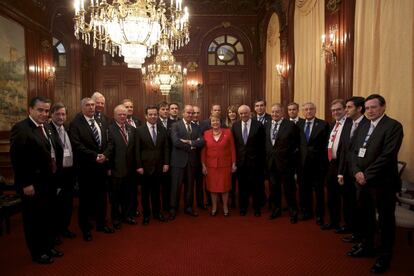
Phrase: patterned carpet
(202,246)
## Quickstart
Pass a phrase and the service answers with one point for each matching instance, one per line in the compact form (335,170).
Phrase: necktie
(124,134)
(61,132)
(64,139)
(154,135)
(371,129)
(275,132)
(332,140)
(354,127)
(189,129)
(245,133)
(131,122)
(164,122)
(308,131)
(95,132)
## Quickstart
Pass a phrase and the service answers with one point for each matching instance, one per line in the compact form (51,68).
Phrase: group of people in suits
(355,156)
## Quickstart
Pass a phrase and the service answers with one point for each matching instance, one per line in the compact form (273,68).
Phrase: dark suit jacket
(300,120)
(253,153)
(267,118)
(380,163)
(152,157)
(136,120)
(30,154)
(84,146)
(281,154)
(183,153)
(206,125)
(122,158)
(346,149)
(313,153)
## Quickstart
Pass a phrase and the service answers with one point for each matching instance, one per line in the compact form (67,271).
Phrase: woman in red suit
(218,158)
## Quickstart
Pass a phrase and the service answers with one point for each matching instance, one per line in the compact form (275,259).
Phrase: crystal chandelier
(164,72)
(131,28)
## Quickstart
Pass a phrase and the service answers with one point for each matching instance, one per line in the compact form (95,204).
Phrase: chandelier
(164,72)
(131,28)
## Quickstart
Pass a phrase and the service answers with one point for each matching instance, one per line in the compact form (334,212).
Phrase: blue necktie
(95,132)
(308,131)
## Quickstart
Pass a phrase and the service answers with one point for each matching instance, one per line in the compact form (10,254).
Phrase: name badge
(361,152)
(66,153)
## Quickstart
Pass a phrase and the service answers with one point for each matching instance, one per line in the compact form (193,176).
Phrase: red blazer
(219,153)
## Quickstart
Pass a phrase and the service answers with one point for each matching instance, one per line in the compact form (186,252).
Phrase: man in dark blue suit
(249,140)
(375,168)
(33,159)
(91,147)
(314,134)
(152,154)
(122,169)
(187,141)
(355,110)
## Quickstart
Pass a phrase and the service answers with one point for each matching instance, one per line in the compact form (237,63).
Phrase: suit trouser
(250,183)
(166,190)
(312,178)
(199,188)
(178,175)
(349,202)
(150,193)
(92,198)
(135,179)
(286,178)
(121,196)
(371,201)
(334,193)
(37,222)
(64,199)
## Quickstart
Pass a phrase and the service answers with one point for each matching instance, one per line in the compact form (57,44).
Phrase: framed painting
(13,79)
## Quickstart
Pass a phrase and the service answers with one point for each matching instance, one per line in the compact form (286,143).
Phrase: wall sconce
(193,85)
(328,45)
(50,73)
(282,70)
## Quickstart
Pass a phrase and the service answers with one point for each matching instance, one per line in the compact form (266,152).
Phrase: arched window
(59,53)
(226,50)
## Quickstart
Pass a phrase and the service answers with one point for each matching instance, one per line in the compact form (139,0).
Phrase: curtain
(309,65)
(384,62)
(272,58)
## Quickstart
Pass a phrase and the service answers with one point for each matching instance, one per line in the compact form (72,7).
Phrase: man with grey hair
(122,168)
(249,140)
(313,152)
(91,148)
(99,107)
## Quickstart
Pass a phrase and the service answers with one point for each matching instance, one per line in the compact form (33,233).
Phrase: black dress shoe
(160,217)
(43,259)
(351,239)
(329,226)
(68,234)
(257,213)
(343,230)
(319,220)
(305,216)
(381,265)
(275,214)
(145,221)
(105,229)
(87,236)
(117,225)
(361,251)
(293,219)
(190,212)
(172,215)
(57,241)
(243,212)
(56,253)
(130,221)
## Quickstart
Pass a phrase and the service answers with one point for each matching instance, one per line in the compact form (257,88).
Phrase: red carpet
(202,246)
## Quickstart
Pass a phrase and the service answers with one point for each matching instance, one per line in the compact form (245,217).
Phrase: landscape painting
(13,82)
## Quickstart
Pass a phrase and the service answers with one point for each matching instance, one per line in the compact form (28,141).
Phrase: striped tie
(95,132)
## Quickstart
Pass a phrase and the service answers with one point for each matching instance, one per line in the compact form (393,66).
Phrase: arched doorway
(227,78)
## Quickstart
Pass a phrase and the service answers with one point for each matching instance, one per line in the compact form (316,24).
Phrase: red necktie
(335,131)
